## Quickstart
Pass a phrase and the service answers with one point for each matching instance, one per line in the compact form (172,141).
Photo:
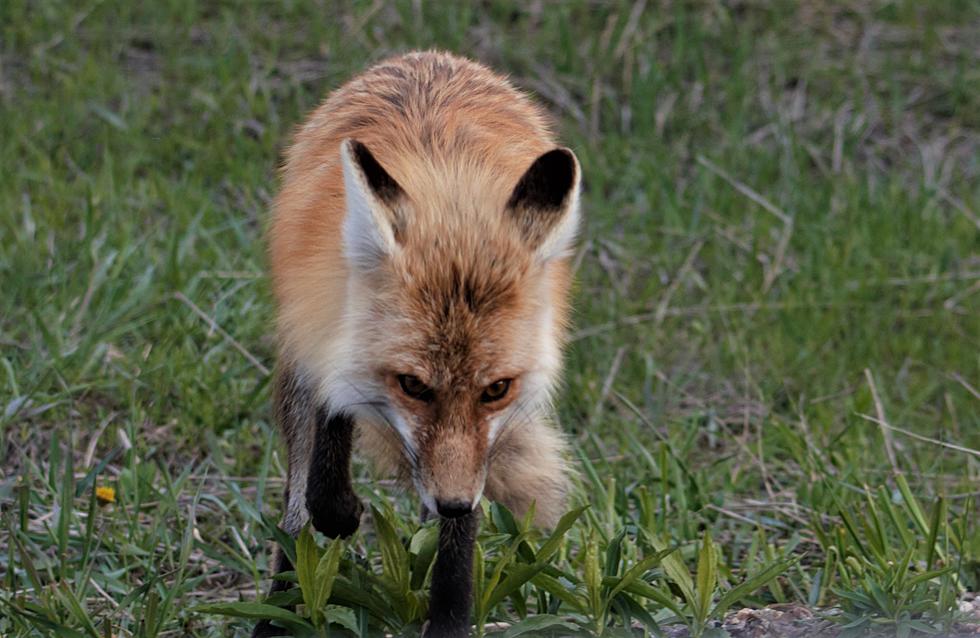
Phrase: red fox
(419,250)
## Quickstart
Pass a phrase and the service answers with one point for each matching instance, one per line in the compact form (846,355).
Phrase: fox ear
(545,203)
(372,225)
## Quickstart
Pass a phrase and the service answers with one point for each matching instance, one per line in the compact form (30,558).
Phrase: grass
(773,384)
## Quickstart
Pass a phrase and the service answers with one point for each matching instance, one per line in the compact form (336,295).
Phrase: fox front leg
(334,508)
(319,482)
(451,596)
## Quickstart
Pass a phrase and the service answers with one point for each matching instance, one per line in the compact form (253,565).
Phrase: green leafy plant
(703,599)
(337,587)
(515,563)
(890,575)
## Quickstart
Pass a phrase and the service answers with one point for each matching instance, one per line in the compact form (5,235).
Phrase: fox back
(419,252)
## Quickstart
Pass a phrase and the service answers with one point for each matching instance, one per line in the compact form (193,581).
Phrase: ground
(774,365)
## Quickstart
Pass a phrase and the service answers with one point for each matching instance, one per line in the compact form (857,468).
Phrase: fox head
(457,283)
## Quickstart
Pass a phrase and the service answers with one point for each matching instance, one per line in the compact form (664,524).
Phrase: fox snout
(452,474)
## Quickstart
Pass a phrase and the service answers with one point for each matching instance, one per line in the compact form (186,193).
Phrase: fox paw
(338,518)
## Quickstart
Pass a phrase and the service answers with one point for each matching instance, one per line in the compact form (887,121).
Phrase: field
(775,367)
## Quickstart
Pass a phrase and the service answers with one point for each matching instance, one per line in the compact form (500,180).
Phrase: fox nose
(453,509)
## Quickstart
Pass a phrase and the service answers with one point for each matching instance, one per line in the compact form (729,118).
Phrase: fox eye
(413,387)
(495,391)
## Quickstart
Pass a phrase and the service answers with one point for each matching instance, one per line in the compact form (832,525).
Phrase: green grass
(782,248)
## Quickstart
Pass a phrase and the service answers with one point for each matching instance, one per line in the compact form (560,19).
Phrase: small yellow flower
(105,494)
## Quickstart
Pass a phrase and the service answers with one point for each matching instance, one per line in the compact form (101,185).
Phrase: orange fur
(462,301)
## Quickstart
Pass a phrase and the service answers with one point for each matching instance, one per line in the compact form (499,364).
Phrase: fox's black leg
(451,596)
(319,484)
(334,508)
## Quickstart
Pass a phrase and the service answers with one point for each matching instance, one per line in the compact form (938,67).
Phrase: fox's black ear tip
(359,150)
(547,182)
(561,165)
(381,183)
(562,153)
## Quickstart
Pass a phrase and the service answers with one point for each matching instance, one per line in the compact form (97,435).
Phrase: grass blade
(707,577)
(258,611)
(307,560)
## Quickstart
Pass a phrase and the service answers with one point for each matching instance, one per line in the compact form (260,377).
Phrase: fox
(420,257)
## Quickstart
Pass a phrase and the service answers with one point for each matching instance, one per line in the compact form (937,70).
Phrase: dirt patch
(796,621)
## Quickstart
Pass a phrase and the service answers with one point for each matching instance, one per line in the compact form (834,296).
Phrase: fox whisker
(519,409)
(376,406)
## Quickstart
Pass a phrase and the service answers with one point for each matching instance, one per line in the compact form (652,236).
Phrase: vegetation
(773,387)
